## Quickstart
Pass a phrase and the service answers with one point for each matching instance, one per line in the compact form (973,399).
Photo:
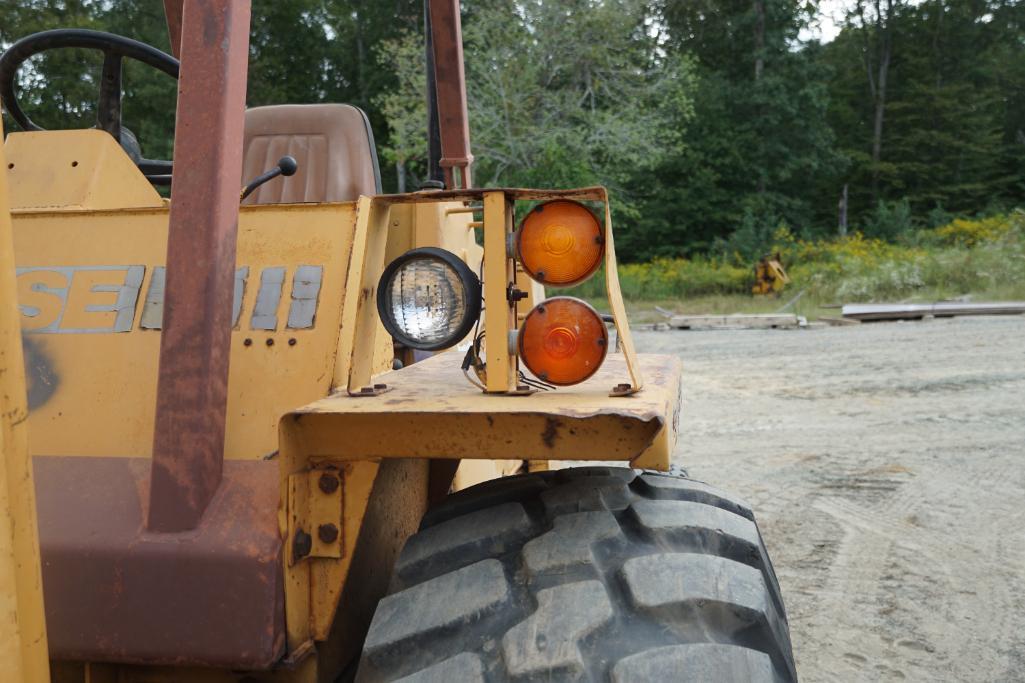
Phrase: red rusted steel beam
(173,12)
(192,390)
(447,37)
(115,592)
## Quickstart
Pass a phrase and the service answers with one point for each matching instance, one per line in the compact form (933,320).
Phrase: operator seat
(332,143)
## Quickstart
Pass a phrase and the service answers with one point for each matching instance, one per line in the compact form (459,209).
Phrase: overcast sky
(830,18)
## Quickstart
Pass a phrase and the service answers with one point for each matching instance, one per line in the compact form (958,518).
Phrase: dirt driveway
(886,464)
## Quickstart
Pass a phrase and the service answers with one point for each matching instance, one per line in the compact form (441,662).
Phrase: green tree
(301,51)
(758,139)
(571,93)
(405,113)
(952,111)
(57,88)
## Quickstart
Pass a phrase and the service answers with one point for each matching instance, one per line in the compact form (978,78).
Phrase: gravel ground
(886,464)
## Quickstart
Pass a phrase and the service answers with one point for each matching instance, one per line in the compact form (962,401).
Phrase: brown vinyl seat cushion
(332,143)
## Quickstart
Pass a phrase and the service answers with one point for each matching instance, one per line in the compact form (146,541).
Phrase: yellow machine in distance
(770,276)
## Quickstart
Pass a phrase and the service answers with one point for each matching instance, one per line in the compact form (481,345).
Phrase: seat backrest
(332,143)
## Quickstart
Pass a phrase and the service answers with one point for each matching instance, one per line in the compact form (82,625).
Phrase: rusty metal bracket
(314,514)
(375,390)
(623,389)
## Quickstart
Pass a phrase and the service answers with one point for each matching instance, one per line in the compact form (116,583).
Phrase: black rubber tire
(582,574)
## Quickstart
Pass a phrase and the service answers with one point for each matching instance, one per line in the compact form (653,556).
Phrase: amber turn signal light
(563,341)
(560,243)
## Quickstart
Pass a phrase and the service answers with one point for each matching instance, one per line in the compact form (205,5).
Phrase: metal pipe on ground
(945,309)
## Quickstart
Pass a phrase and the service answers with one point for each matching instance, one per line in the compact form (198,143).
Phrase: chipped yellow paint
(361,290)
(100,389)
(23,654)
(74,170)
(499,318)
(432,412)
(327,578)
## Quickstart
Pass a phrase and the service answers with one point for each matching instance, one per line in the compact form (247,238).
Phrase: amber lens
(560,243)
(563,340)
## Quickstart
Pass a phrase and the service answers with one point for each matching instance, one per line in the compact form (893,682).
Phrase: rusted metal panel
(432,412)
(116,592)
(192,390)
(447,41)
(594,193)
(173,11)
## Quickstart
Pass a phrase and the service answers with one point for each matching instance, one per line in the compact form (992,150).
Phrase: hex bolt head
(327,533)
(328,483)
(302,544)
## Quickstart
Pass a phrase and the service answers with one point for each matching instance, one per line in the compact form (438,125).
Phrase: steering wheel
(108,106)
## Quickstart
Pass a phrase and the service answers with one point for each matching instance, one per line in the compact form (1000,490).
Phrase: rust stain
(551,432)
(192,387)
(114,591)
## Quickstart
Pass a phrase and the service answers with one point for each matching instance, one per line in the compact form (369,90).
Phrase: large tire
(592,574)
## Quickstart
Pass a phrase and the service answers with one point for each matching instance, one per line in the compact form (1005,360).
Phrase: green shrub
(889,220)
(959,257)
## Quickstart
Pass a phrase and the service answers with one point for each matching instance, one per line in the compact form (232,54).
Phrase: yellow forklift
(240,425)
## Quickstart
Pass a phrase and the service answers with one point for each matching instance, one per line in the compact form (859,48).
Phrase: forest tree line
(713,121)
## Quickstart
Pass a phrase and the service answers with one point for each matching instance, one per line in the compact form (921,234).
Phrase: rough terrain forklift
(252,430)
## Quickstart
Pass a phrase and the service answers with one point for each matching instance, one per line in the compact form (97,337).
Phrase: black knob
(288,165)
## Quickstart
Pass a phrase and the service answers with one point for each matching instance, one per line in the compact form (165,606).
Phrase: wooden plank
(838,322)
(736,321)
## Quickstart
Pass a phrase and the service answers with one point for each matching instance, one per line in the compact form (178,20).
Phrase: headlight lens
(560,243)
(563,340)
(428,299)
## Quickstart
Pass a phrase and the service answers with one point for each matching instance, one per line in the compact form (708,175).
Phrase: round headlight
(428,299)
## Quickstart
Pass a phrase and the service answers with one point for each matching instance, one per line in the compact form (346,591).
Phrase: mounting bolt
(515,294)
(302,544)
(327,533)
(328,483)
